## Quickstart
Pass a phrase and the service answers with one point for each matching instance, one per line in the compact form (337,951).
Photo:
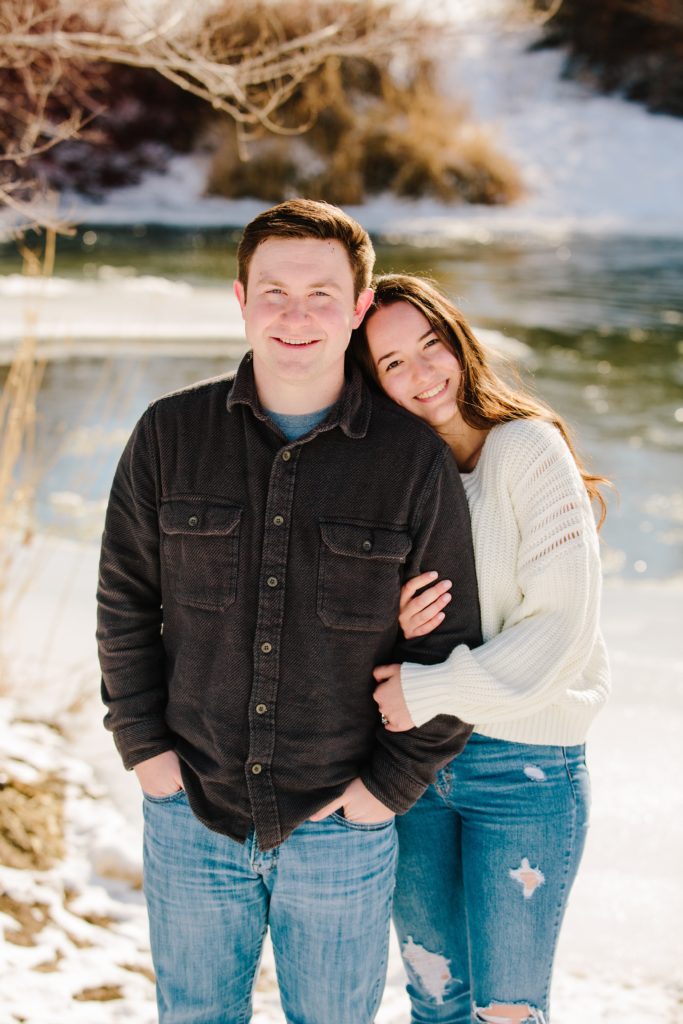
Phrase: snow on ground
(86,960)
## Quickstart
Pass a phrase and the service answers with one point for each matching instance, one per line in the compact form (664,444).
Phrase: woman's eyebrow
(421,338)
(387,356)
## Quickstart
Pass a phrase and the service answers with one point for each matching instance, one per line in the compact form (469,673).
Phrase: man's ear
(240,294)
(363,303)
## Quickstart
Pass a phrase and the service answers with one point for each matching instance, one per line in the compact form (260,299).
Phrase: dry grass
(17,439)
(49,966)
(99,994)
(30,918)
(31,823)
(142,969)
(374,125)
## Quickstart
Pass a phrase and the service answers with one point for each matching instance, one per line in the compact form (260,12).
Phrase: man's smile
(296,342)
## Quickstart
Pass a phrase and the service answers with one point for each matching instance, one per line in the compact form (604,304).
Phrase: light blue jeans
(325,893)
(487,858)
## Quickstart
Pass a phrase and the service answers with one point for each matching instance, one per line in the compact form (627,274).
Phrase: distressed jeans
(487,858)
(325,893)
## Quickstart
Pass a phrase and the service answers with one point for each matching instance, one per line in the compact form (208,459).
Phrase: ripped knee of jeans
(509,1013)
(432,970)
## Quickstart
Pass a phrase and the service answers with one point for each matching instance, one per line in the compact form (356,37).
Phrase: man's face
(299,311)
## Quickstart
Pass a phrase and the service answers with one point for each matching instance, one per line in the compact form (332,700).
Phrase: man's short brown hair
(308,218)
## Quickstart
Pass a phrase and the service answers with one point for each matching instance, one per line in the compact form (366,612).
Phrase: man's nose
(295,310)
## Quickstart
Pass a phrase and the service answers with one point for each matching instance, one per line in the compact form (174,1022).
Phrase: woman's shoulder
(525,440)
(540,471)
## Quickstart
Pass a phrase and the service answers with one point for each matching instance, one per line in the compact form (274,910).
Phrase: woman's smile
(431,393)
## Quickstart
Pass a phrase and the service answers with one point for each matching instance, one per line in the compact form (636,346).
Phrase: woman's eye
(432,341)
(392,364)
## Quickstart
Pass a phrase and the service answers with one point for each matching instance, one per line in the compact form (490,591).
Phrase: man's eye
(321,294)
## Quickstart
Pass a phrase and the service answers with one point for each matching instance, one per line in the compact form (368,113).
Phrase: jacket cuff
(429,690)
(137,743)
(391,786)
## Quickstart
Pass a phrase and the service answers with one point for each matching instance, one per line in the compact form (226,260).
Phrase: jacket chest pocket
(359,575)
(200,550)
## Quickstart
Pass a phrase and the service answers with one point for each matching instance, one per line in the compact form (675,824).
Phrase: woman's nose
(421,370)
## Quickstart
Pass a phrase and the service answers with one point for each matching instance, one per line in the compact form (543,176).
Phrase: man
(258,532)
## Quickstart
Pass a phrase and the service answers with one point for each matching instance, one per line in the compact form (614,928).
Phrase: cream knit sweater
(541,674)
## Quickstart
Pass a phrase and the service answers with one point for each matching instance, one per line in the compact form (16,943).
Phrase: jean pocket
(359,575)
(363,826)
(200,547)
(169,798)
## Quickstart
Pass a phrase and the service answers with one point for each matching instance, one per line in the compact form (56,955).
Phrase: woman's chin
(439,419)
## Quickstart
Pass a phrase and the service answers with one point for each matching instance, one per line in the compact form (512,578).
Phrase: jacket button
(367,545)
(286,456)
(266,647)
(256,769)
(272,581)
(261,709)
(192,521)
(278,520)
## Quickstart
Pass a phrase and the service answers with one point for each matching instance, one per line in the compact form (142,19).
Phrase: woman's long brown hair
(484,399)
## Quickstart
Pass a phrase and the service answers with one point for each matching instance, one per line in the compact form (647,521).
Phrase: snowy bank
(590,164)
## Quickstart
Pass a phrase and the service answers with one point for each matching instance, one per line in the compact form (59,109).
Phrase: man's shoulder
(402,427)
(220,385)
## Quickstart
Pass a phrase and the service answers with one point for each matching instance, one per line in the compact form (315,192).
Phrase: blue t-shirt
(294,427)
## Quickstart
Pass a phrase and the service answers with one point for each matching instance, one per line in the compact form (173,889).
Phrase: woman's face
(414,366)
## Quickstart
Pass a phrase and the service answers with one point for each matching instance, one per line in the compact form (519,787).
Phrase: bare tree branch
(228,79)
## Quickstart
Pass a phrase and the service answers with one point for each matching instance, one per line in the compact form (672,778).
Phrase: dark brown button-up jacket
(249,585)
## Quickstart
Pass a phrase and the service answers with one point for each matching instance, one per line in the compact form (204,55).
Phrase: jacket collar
(351,413)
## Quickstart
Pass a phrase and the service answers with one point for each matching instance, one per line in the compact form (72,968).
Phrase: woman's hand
(422,614)
(390,700)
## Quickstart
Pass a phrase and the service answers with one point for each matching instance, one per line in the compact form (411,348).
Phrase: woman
(489,853)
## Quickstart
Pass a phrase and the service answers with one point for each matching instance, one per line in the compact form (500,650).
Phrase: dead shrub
(373,125)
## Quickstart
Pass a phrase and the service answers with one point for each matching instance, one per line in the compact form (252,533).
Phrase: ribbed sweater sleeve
(548,634)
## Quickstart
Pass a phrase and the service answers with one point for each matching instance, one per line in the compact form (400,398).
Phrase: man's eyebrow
(421,338)
(327,283)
